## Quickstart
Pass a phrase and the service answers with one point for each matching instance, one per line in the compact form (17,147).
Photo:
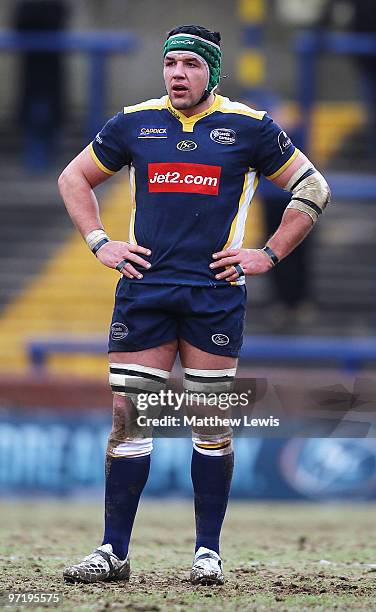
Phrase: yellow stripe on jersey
(221,104)
(188,123)
(236,234)
(237,108)
(233,224)
(278,172)
(98,162)
(153,104)
(132,186)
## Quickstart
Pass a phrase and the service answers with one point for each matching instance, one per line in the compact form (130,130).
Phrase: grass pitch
(276,557)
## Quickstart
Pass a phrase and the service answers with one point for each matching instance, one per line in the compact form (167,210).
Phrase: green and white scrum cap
(202,42)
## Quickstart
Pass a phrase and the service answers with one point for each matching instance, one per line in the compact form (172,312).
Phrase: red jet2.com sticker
(185,178)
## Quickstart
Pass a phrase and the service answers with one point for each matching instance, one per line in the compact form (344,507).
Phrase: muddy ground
(276,557)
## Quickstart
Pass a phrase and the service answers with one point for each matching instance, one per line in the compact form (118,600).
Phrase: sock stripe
(214,445)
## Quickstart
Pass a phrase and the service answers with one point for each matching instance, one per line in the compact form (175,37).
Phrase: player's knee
(213,445)
(126,439)
(199,383)
(124,415)
(130,380)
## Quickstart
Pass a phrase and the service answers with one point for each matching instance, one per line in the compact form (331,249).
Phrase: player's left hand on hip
(239,262)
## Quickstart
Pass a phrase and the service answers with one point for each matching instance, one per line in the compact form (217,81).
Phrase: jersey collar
(188,123)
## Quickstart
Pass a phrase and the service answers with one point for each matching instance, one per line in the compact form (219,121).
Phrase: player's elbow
(63,181)
(67,180)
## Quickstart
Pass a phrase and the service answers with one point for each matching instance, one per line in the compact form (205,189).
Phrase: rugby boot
(102,565)
(207,568)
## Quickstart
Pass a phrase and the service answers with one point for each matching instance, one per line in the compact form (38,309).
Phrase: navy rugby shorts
(146,316)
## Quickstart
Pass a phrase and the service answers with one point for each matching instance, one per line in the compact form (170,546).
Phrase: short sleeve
(274,151)
(108,148)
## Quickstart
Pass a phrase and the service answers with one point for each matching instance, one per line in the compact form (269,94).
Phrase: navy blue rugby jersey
(192,180)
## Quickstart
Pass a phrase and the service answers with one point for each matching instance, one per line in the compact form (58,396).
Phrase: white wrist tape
(96,239)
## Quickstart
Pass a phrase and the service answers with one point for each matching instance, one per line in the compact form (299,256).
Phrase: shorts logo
(184,178)
(152,132)
(283,141)
(119,331)
(98,139)
(186,145)
(220,339)
(223,136)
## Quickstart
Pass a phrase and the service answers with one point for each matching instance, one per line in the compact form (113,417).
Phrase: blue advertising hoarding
(57,452)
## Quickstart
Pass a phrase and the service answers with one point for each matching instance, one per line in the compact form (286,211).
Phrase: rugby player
(194,159)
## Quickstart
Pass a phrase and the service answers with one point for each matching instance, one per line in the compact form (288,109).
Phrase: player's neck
(199,108)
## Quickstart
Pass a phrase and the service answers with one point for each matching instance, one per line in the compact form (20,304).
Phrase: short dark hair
(197,30)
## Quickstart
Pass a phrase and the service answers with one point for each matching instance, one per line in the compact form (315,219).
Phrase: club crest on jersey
(186,145)
(283,141)
(152,131)
(184,178)
(223,136)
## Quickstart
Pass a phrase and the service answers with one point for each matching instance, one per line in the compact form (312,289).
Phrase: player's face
(186,78)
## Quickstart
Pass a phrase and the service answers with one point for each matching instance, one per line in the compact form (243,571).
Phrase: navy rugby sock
(125,479)
(211,478)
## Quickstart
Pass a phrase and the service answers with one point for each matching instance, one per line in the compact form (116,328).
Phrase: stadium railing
(309,46)
(349,353)
(97,45)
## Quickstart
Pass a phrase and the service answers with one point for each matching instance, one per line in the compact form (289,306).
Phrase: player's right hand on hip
(121,256)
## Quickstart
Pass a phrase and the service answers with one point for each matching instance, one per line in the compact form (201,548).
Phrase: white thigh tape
(131,379)
(209,381)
